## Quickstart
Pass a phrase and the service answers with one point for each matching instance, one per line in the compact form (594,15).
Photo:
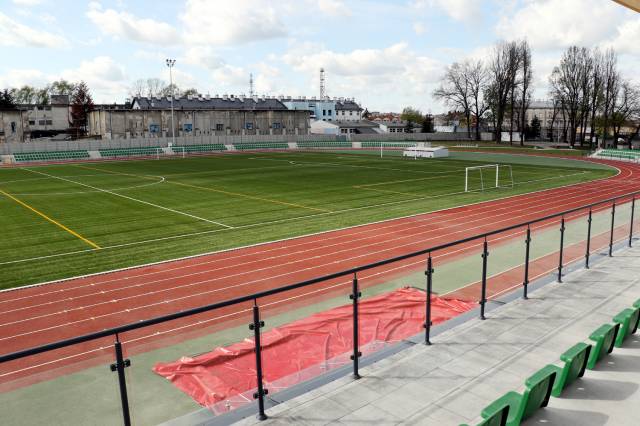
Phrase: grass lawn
(65,220)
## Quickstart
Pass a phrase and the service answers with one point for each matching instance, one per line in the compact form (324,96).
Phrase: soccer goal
(490,176)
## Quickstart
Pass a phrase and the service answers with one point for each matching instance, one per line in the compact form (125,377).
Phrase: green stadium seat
(575,362)
(604,337)
(628,322)
(522,406)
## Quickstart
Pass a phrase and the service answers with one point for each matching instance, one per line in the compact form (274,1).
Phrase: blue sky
(386,53)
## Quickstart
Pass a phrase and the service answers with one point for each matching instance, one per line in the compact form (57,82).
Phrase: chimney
(207,97)
(225,97)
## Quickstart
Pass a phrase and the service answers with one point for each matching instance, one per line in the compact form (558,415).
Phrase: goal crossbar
(497,168)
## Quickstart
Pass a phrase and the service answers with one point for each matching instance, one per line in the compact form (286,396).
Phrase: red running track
(43,314)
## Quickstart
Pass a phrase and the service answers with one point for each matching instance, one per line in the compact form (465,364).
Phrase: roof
(356,124)
(347,105)
(228,104)
(540,104)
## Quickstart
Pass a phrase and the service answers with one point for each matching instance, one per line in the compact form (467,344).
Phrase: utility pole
(323,92)
(170,64)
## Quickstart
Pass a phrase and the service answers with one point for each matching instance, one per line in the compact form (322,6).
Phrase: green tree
(191,92)
(81,105)
(411,114)
(6,100)
(62,87)
(427,124)
(534,130)
(408,128)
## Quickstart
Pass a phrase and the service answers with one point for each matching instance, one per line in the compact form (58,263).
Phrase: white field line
(132,199)
(574,186)
(144,185)
(272,222)
(218,279)
(426,229)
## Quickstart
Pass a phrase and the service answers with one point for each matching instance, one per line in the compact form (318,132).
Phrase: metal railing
(121,363)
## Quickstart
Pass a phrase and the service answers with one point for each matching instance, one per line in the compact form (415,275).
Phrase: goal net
(490,176)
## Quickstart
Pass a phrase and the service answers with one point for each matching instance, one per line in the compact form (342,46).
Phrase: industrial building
(199,115)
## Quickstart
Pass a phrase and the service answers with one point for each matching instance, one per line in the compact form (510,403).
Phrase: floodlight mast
(170,64)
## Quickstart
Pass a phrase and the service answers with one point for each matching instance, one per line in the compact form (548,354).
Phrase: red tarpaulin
(292,349)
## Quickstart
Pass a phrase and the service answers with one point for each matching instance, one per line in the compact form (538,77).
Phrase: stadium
(179,275)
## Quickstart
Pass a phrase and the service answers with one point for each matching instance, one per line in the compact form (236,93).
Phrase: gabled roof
(225,104)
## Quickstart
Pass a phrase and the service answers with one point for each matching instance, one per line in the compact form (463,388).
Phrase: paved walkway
(471,365)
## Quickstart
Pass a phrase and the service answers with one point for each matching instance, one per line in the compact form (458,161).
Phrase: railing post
(427,324)
(588,252)
(355,296)
(525,283)
(483,298)
(633,207)
(561,249)
(119,366)
(613,220)
(255,326)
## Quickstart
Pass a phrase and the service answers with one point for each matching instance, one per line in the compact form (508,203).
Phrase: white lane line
(389,226)
(131,198)
(260,270)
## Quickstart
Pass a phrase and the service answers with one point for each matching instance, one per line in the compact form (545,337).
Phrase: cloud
(104,76)
(334,8)
(229,22)
(13,33)
(27,3)
(550,24)
(458,10)
(627,39)
(419,28)
(123,25)
(203,56)
(22,77)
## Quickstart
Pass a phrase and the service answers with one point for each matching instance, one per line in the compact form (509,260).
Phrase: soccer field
(65,220)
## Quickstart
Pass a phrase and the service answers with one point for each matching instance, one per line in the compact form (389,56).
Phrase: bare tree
(454,90)
(611,86)
(626,107)
(477,77)
(596,92)
(503,68)
(156,87)
(526,81)
(567,82)
(138,88)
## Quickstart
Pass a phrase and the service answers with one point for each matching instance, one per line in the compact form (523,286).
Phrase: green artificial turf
(146,211)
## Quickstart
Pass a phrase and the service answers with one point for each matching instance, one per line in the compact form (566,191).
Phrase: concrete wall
(12,126)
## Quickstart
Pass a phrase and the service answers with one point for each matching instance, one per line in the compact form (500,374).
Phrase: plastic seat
(522,406)
(628,322)
(575,362)
(604,338)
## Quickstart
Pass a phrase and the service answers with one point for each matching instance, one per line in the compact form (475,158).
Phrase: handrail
(213,306)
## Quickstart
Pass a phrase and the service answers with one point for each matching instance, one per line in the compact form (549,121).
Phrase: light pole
(170,64)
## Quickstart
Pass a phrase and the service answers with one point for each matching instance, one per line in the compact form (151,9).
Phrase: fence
(94,145)
(259,304)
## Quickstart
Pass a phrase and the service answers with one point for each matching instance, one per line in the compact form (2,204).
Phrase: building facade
(196,116)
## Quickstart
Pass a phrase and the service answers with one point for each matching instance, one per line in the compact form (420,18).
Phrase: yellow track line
(236,194)
(55,222)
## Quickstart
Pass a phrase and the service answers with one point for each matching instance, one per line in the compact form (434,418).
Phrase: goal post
(489,176)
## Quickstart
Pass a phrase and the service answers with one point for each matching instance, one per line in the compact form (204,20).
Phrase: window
(40,107)
(350,112)
(13,127)
(249,126)
(276,126)
(187,127)
(154,128)
(32,122)
(42,122)
(48,122)
(328,112)
(219,127)
(47,108)
(324,112)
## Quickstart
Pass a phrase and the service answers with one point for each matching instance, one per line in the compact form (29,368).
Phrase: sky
(387,54)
